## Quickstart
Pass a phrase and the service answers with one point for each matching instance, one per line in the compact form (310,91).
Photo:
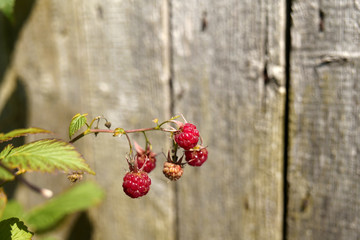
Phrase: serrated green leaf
(13,209)
(78,198)
(76,123)
(20,132)
(5,174)
(46,155)
(14,229)
(3,201)
(7,8)
(6,151)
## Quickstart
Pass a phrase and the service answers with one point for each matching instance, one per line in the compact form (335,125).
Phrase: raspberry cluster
(186,137)
(186,148)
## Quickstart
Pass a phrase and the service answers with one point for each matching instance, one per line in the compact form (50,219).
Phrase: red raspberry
(148,159)
(188,136)
(196,157)
(136,184)
(172,171)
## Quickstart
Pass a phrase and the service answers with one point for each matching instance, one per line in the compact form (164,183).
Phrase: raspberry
(172,171)
(196,157)
(146,161)
(136,184)
(188,136)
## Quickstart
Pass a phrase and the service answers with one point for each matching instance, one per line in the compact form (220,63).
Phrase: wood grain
(229,80)
(324,130)
(102,58)
(222,65)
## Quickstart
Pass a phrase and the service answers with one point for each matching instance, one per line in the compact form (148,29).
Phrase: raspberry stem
(130,145)
(174,149)
(92,122)
(96,131)
(148,145)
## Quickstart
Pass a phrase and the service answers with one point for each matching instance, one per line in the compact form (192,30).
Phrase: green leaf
(7,8)
(78,198)
(3,201)
(21,132)
(14,229)
(6,151)
(13,209)
(46,155)
(5,174)
(76,123)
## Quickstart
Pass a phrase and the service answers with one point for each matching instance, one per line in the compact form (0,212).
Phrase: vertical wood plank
(103,58)
(324,180)
(221,50)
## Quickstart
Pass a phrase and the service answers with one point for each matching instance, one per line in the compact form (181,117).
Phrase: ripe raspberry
(172,171)
(136,184)
(196,157)
(145,159)
(148,159)
(188,136)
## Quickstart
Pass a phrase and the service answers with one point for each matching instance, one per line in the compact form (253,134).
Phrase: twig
(43,191)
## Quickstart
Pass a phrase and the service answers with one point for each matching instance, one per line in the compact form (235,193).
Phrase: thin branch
(43,191)
(88,131)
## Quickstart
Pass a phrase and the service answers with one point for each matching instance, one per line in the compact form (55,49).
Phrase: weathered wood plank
(324,180)
(103,58)
(220,52)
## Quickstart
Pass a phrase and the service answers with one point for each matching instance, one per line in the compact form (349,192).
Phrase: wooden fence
(272,85)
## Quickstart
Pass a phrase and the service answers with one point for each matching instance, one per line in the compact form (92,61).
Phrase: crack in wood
(321,20)
(204,21)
